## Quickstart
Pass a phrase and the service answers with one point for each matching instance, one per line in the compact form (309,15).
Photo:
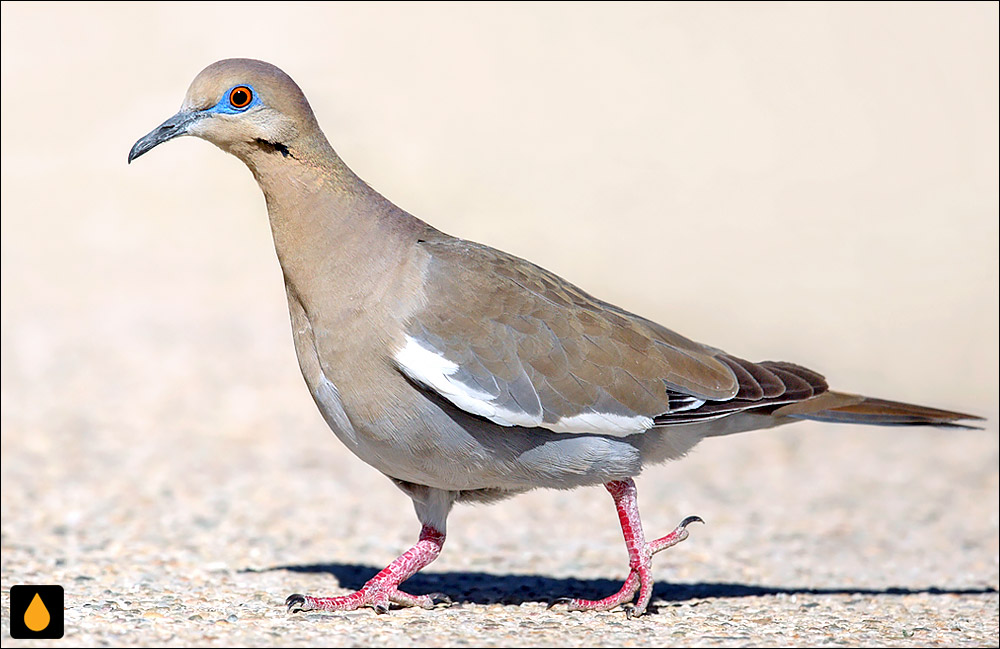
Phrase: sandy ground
(811,183)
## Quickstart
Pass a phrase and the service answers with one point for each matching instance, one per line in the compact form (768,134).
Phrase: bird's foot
(376,596)
(625,594)
(639,580)
(383,589)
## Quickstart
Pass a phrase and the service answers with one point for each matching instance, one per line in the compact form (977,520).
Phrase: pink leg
(381,590)
(640,554)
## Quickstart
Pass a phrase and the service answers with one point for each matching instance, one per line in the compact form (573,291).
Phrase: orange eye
(240,97)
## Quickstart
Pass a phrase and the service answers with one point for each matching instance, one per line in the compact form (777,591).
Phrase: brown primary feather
(762,386)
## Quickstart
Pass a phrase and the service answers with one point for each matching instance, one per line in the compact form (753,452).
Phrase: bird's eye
(240,97)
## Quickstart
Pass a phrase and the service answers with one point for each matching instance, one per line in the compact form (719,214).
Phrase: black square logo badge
(36,612)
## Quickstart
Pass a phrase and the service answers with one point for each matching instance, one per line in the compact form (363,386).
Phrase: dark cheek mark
(274,147)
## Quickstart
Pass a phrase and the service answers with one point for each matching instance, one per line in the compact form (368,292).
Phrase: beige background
(814,183)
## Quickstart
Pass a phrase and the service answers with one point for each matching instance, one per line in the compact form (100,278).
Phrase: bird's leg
(382,589)
(640,554)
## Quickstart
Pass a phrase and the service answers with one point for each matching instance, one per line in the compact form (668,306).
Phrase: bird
(466,374)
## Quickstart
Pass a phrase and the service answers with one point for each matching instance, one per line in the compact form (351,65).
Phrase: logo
(36,612)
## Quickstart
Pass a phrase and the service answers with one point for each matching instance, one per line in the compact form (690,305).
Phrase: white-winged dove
(464,373)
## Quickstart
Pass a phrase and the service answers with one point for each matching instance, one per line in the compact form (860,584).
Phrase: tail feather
(839,407)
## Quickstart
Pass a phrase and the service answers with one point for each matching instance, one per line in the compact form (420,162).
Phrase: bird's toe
(439,598)
(690,519)
(558,601)
(296,602)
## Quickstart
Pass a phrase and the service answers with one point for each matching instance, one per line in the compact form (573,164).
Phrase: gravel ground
(856,537)
(162,460)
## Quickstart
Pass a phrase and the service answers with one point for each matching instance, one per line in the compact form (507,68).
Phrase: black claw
(690,519)
(439,598)
(557,602)
(296,602)
(629,611)
(381,609)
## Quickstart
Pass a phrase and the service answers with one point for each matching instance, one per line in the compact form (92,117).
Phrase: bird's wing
(511,342)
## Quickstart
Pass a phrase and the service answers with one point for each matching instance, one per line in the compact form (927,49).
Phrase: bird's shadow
(488,588)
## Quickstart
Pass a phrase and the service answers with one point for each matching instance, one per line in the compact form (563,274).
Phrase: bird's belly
(427,441)
(423,441)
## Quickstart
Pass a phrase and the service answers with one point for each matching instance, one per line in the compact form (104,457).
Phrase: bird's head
(243,106)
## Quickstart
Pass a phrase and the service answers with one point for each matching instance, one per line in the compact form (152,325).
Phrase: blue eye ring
(240,97)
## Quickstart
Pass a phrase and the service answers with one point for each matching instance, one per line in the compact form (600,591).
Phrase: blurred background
(805,182)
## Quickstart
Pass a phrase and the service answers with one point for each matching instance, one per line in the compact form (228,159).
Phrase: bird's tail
(840,407)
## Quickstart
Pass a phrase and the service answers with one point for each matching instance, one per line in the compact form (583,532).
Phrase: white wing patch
(601,422)
(432,370)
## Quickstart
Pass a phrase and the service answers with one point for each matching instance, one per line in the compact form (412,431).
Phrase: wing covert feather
(543,352)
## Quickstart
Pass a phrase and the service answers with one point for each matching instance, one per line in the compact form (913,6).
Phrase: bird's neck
(337,239)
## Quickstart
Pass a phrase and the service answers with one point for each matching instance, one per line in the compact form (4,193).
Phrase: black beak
(168,130)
